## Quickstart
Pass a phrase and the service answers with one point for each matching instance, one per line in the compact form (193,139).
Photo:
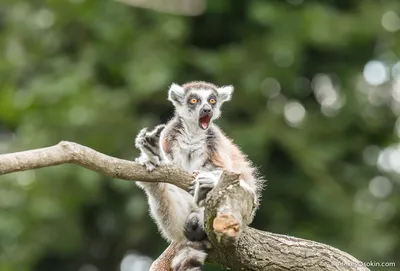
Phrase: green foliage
(95,72)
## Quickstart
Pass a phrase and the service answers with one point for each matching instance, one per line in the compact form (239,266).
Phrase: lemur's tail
(189,259)
(192,256)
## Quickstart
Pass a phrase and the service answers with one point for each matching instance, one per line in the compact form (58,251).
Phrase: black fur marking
(176,129)
(212,96)
(178,124)
(190,264)
(193,230)
(215,92)
(211,140)
(153,152)
(208,161)
(191,106)
(152,140)
(193,263)
(160,128)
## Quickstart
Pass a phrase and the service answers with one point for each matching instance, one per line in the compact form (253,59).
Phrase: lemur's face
(199,102)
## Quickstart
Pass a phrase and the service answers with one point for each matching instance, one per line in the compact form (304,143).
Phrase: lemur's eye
(193,100)
(212,101)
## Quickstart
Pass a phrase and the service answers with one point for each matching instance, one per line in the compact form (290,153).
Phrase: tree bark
(228,205)
(163,262)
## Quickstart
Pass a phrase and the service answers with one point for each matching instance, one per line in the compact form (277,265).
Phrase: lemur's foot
(203,183)
(149,139)
(144,161)
(149,144)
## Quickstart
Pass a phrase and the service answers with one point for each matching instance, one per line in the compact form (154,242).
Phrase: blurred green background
(316,107)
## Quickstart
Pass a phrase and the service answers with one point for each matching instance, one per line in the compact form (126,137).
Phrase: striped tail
(192,255)
(189,259)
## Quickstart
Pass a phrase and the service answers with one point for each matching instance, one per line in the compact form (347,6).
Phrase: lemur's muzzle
(205,116)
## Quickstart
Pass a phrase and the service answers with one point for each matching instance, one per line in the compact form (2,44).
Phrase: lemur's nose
(206,109)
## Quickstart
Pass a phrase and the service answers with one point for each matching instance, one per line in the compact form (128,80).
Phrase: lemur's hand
(203,183)
(148,143)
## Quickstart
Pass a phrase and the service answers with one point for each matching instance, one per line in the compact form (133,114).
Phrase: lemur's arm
(205,181)
(169,205)
(226,156)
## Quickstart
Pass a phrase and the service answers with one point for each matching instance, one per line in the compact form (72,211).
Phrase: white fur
(176,94)
(225,93)
(191,143)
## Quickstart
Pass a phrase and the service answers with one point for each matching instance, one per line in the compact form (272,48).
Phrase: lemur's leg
(193,255)
(169,205)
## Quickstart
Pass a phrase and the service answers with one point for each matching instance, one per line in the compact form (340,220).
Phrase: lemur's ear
(176,94)
(225,93)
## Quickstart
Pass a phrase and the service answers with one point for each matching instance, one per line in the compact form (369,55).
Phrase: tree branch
(70,152)
(235,245)
(163,262)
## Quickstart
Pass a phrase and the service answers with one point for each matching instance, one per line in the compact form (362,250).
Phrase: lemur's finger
(139,161)
(201,192)
(205,176)
(192,188)
(149,166)
(142,132)
(139,138)
(208,186)
(206,179)
(195,173)
(159,129)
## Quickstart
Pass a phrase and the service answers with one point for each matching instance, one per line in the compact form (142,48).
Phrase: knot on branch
(71,149)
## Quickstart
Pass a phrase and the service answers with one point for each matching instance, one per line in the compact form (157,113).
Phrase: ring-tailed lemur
(191,141)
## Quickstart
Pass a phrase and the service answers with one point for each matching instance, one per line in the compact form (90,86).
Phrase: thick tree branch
(163,262)
(235,245)
(69,152)
(239,247)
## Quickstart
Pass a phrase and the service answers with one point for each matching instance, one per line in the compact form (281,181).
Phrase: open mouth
(204,121)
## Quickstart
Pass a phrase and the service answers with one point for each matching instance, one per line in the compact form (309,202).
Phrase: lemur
(192,141)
